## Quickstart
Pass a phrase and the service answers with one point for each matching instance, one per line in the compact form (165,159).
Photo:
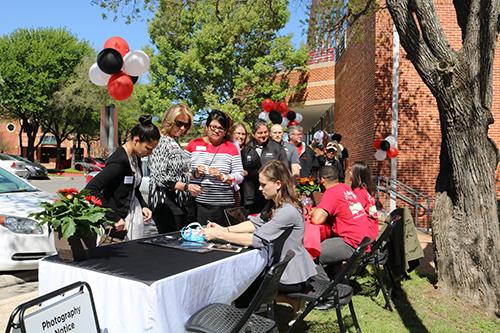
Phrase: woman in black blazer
(118,183)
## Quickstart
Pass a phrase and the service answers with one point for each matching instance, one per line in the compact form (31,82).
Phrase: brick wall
(320,83)
(355,86)
(363,112)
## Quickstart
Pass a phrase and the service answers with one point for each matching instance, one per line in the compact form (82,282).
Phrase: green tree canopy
(222,54)
(35,64)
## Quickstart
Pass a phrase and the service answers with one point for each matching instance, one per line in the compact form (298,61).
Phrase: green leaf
(68,228)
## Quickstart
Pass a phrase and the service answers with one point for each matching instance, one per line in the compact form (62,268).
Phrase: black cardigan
(109,185)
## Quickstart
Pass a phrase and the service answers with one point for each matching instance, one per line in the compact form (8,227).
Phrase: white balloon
(284,122)
(264,116)
(136,63)
(98,77)
(391,140)
(298,117)
(380,155)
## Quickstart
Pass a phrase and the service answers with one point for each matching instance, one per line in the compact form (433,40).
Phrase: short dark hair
(221,117)
(145,130)
(258,123)
(329,172)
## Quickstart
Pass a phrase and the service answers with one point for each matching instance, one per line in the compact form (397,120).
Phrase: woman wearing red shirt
(362,186)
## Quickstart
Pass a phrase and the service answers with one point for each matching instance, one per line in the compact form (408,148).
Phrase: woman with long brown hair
(276,184)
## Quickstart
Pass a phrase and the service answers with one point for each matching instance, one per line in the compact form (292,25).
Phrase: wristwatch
(186,187)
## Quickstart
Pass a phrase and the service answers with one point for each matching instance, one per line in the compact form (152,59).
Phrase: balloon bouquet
(385,148)
(118,68)
(278,113)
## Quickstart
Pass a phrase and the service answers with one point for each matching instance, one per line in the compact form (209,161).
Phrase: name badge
(201,148)
(128,180)
(269,154)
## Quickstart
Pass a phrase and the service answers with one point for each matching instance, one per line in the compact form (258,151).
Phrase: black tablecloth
(142,262)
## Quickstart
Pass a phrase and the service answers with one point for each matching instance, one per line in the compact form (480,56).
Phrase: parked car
(14,166)
(22,241)
(35,169)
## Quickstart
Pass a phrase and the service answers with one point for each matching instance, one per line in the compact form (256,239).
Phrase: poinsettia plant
(307,185)
(74,211)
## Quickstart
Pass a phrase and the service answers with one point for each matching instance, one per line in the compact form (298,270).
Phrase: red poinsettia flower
(94,200)
(66,191)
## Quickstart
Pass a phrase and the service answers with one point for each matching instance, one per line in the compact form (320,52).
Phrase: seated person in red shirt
(340,208)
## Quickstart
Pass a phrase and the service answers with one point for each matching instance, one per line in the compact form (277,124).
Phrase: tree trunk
(21,139)
(31,130)
(58,153)
(465,221)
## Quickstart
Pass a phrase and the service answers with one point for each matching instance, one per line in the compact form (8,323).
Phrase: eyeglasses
(179,124)
(215,128)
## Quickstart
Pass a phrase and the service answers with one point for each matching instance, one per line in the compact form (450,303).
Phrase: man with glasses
(291,152)
(309,164)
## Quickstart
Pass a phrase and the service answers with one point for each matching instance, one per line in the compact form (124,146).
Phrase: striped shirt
(224,157)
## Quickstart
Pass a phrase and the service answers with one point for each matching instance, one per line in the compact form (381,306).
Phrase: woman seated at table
(276,184)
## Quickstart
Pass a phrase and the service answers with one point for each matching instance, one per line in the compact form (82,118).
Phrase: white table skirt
(129,306)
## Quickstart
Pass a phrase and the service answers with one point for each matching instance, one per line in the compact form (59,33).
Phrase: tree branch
(413,42)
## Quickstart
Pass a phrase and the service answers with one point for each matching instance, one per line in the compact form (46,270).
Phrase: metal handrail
(391,188)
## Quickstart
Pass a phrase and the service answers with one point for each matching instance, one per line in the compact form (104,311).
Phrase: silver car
(14,166)
(22,241)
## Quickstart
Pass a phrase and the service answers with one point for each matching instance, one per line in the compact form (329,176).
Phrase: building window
(11,127)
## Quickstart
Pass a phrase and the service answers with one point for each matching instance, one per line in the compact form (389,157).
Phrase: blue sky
(84,20)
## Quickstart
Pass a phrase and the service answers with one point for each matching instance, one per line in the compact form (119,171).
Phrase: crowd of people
(229,166)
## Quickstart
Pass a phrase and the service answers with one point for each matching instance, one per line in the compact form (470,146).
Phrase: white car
(22,241)
(12,165)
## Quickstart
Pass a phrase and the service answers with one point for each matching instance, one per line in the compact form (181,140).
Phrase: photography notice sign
(72,314)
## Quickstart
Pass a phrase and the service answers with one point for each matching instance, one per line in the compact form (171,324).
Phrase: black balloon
(385,145)
(275,117)
(134,78)
(291,115)
(110,61)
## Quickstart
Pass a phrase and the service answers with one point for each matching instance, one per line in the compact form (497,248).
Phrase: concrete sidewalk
(9,304)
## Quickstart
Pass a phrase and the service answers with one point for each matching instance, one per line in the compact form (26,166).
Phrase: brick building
(363,101)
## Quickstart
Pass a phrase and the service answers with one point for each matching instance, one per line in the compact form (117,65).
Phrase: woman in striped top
(215,163)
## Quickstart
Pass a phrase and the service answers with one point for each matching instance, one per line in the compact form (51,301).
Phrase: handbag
(112,236)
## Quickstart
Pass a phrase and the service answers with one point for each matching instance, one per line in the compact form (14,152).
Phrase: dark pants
(166,220)
(333,252)
(211,213)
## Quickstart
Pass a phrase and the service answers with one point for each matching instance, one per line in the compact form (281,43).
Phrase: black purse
(112,236)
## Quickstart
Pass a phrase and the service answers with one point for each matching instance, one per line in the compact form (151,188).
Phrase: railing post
(428,214)
(387,190)
(416,209)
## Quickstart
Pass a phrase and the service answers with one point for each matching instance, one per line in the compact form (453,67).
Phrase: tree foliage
(219,54)
(35,64)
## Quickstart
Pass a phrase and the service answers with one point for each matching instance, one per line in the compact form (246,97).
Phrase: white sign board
(72,314)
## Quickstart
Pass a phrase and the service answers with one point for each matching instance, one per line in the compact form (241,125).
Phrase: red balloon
(268,105)
(392,152)
(118,44)
(282,107)
(292,123)
(376,144)
(120,86)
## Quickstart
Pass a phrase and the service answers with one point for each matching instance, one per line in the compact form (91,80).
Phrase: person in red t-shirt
(340,208)
(362,186)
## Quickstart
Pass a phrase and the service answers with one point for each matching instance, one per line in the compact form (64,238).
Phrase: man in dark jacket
(309,164)
(256,153)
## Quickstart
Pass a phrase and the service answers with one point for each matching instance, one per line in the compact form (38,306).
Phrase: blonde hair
(173,112)
(275,170)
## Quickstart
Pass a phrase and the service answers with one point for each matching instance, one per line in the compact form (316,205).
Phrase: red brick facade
(363,111)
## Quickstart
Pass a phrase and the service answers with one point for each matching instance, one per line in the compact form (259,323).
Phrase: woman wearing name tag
(118,183)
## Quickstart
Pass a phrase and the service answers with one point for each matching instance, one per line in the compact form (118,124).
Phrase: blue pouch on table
(193,232)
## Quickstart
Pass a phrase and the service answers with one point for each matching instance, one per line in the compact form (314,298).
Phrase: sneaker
(325,306)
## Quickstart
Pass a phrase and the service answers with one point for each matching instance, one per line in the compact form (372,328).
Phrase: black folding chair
(337,290)
(378,259)
(224,318)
